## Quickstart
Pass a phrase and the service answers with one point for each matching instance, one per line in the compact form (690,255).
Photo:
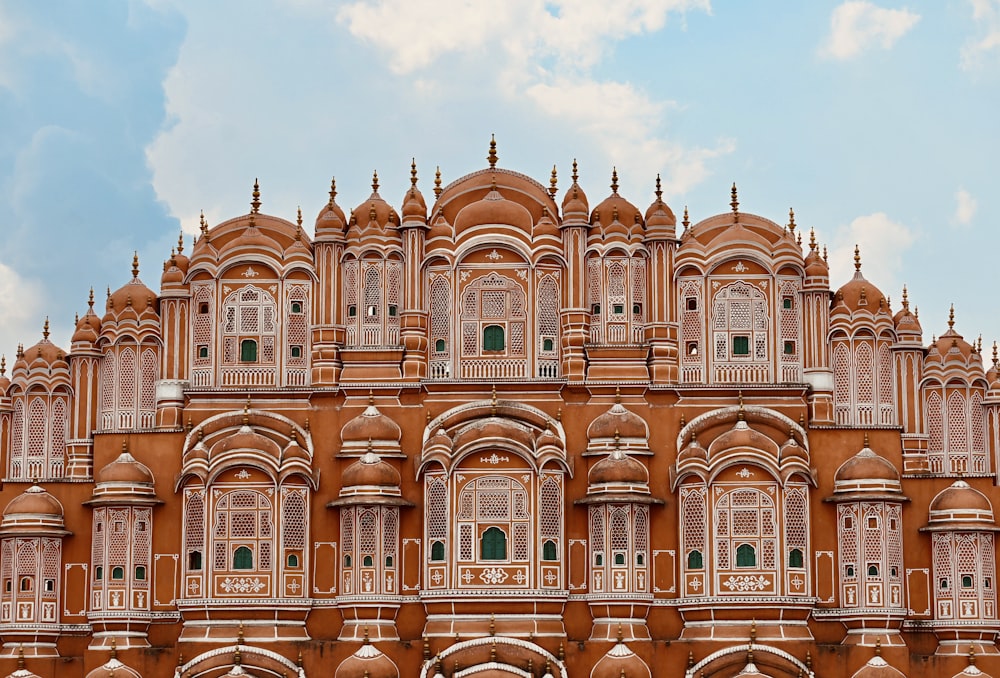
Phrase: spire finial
(202,223)
(255,203)
(857,258)
(45,328)
(553,183)
(135,264)
(493,624)
(951,317)
(246,412)
(972,655)
(413,173)
(686,221)
(575,175)
(333,191)
(3,360)
(824,255)
(866,439)
(492,157)
(90,299)
(812,239)
(437,182)
(734,202)
(20,656)
(620,636)
(366,640)
(906,299)
(659,189)
(298,220)
(740,415)
(114,648)
(494,400)
(878,647)
(239,635)
(374,181)
(180,242)
(753,631)
(791,220)
(614,180)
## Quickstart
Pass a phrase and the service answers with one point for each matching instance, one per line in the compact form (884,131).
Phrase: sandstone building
(507,431)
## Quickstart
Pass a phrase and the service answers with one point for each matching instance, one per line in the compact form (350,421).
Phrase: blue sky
(877,121)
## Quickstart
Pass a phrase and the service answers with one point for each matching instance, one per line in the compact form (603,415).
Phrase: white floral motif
(250,273)
(493,459)
(740,267)
(494,255)
(493,576)
(746,583)
(242,474)
(745,473)
(243,584)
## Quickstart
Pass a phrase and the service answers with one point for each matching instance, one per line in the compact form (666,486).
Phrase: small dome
(693,451)
(867,474)
(659,215)
(574,205)
(961,505)
(246,438)
(368,660)
(134,293)
(172,273)
(971,671)
(114,668)
(88,327)
(859,294)
(494,208)
(951,347)
(331,219)
(125,469)
(414,205)
(439,440)
(615,208)
(815,265)
(907,324)
(42,355)
(876,667)
(375,211)
(34,501)
(618,661)
(370,470)
(371,425)
(618,421)
(619,469)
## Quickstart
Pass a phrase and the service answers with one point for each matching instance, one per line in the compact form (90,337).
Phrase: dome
(907,324)
(815,265)
(971,671)
(574,205)
(371,425)
(42,355)
(615,208)
(751,670)
(370,470)
(618,421)
(375,211)
(414,205)
(114,668)
(692,451)
(331,220)
(251,238)
(659,215)
(951,347)
(367,661)
(125,469)
(246,438)
(494,208)
(134,293)
(859,294)
(172,274)
(618,661)
(88,327)
(961,506)
(619,469)
(876,667)
(867,474)
(34,501)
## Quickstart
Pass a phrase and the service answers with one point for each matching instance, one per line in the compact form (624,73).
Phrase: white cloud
(976,51)
(965,207)
(21,301)
(857,25)
(882,243)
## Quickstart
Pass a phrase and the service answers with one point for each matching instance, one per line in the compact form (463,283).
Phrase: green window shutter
(248,351)
(243,559)
(746,556)
(493,338)
(494,544)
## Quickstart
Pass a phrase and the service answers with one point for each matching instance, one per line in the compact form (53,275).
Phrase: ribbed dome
(114,668)
(615,208)
(134,293)
(867,475)
(247,439)
(620,469)
(414,205)
(815,265)
(494,208)
(370,470)
(34,501)
(574,205)
(907,324)
(371,425)
(42,355)
(88,327)
(125,469)
(368,660)
(692,451)
(878,668)
(375,211)
(961,505)
(859,294)
(618,421)
(620,660)
(659,215)
(331,220)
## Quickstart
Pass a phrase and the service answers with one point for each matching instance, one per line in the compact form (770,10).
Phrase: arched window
(695,560)
(437,551)
(795,558)
(494,544)
(746,556)
(194,560)
(493,338)
(549,550)
(117,573)
(140,573)
(293,560)
(243,558)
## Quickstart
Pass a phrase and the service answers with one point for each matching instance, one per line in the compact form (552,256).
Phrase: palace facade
(509,431)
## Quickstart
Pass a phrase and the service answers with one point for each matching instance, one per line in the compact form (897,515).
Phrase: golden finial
(427,649)
(620,636)
(690,660)
(492,157)
(972,656)
(916,312)
(979,344)
(298,221)
(740,415)
(45,328)
(809,660)
(374,181)
(559,415)
(575,175)
(366,640)
(371,397)
(531,666)
(753,631)
(618,394)
(686,221)
(995,362)
(791,220)
(798,239)
(683,420)
(413,173)
(135,264)
(90,299)
(812,239)
(20,655)
(906,299)
(562,652)
(493,650)
(614,180)
(493,624)
(246,412)
(298,660)
(734,202)
(114,649)
(255,203)
(857,258)
(618,439)
(825,259)
(659,189)
(180,242)
(553,183)
(239,635)
(3,361)
(878,647)
(494,400)
(237,657)
(437,182)
(951,317)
